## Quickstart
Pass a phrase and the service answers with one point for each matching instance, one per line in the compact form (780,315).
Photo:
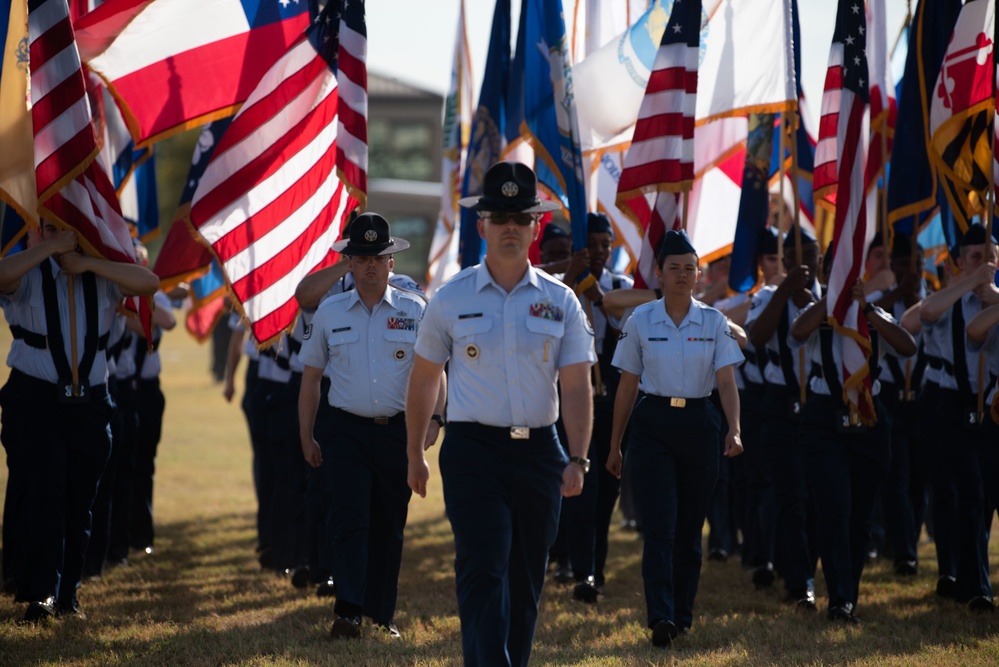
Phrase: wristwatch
(439,419)
(584,462)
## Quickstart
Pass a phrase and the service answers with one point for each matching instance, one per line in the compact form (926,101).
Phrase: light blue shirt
(505,348)
(897,310)
(25,307)
(940,332)
(676,361)
(773,373)
(813,352)
(990,348)
(367,356)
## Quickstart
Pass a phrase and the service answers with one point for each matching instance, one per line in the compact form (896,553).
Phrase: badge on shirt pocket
(467,337)
(400,341)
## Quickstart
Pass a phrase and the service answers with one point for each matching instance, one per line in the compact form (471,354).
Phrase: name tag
(340,330)
(658,340)
(700,340)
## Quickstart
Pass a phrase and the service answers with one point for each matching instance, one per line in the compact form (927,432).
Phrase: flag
(961,110)
(173,65)
(443,262)
(843,130)
(182,257)
(352,84)
(270,203)
(661,156)
(13,231)
(753,204)
(207,303)
(17,167)
(912,182)
(884,106)
(597,22)
(550,124)
(486,141)
(139,202)
(72,187)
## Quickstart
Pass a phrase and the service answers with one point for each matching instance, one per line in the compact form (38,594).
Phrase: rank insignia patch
(401,324)
(547,311)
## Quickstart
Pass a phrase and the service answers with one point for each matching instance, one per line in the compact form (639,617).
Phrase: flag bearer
(673,349)
(364,339)
(510,332)
(846,460)
(56,408)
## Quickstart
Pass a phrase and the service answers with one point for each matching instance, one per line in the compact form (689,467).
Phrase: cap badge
(371,236)
(509,189)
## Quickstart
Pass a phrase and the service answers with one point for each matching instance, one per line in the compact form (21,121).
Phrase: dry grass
(200,599)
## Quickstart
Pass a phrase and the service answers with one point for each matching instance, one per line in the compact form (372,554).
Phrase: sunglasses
(522,219)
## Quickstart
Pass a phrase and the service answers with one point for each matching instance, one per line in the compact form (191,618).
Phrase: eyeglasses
(522,219)
(365,259)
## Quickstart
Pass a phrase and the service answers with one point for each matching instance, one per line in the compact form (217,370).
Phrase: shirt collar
(694,316)
(484,278)
(355,298)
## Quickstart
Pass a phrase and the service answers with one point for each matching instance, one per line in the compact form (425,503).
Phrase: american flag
(352,78)
(844,133)
(884,106)
(660,160)
(72,186)
(270,203)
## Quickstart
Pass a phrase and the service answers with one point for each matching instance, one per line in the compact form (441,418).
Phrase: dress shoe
(563,574)
(981,605)
(40,611)
(300,577)
(718,555)
(389,629)
(71,608)
(327,589)
(663,633)
(764,577)
(946,587)
(843,613)
(586,591)
(906,568)
(346,627)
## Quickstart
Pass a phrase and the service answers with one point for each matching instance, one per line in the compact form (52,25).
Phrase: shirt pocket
(544,340)
(399,345)
(468,336)
(338,345)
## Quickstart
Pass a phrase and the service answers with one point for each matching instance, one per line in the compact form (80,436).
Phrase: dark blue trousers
(367,470)
(150,404)
(124,430)
(760,510)
(719,517)
(58,450)
(905,489)
(793,557)
(503,498)
(845,472)
(287,514)
(673,457)
(988,456)
(254,409)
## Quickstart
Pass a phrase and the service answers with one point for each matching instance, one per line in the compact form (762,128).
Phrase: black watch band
(439,419)
(582,461)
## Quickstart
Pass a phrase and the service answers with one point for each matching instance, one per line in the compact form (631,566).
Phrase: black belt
(41,341)
(57,391)
(676,401)
(397,418)
(500,432)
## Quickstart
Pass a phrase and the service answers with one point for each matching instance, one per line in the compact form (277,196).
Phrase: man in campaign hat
(509,332)
(364,340)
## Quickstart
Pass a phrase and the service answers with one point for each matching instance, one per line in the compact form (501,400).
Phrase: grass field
(201,598)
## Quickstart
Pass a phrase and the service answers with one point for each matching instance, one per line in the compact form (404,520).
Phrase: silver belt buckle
(678,402)
(381,421)
(520,433)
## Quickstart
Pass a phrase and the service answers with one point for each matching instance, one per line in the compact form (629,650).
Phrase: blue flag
(13,231)
(912,183)
(550,111)
(139,203)
(487,135)
(753,204)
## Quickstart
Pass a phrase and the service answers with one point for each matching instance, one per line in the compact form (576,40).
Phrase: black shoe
(266,559)
(718,555)
(981,605)
(872,555)
(300,577)
(843,613)
(327,589)
(906,568)
(71,608)
(663,634)
(586,591)
(764,577)
(802,599)
(40,611)
(389,629)
(946,587)
(563,575)
(346,627)
(116,562)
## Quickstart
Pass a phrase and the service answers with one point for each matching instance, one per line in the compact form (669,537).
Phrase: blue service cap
(768,241)
(599,223)
(974,236)
(675,243)
(806,237)
(553,231)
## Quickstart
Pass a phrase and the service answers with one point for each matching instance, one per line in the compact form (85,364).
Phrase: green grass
(201,598)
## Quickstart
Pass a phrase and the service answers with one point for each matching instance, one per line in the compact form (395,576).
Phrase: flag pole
(72,338)
(781,222)
(990,198)
(686,201)
(802,394)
